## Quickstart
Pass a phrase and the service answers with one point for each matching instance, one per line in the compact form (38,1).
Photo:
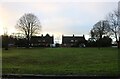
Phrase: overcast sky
(57,17)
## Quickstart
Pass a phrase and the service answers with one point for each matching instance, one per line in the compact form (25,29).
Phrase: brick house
(42,41)
(73,41)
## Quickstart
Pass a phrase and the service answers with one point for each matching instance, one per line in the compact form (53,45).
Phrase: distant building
(73,41)
(8,40)
(42,41)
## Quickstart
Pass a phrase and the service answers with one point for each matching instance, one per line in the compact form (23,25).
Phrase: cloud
(59,24)
(57,17)
(47,8)
(59,0)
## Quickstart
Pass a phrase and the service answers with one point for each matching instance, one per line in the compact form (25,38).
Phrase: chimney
(73,35)
(42,35)
(83,36)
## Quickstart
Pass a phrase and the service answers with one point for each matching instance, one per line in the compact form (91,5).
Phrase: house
(42,41)
(73,41)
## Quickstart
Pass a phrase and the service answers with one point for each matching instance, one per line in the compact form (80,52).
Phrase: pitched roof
(68,39)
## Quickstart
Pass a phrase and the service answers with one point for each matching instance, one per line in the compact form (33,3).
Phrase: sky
(57,17)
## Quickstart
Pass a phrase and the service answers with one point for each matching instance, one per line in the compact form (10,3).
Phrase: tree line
(30,25)
(108,27)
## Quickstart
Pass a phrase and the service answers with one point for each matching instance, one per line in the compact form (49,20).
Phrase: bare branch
(29,25)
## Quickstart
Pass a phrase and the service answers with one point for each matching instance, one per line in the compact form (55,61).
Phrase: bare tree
(119,23)
(5,39)
(99,29)
(29,25)
(113,22)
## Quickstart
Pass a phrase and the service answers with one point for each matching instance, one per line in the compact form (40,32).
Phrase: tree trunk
(116,37)
(27,41)
(6,42)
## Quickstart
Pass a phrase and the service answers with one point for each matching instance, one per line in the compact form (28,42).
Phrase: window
(39,40)
(72,40)
(64,44)
(76,40)
(43,40)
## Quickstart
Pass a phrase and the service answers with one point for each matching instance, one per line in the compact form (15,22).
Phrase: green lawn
(60,61)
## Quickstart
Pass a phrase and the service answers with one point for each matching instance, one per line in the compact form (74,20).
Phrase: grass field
(60,61)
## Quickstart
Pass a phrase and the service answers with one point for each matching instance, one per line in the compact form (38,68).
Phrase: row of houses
(47,41)
(67,41)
